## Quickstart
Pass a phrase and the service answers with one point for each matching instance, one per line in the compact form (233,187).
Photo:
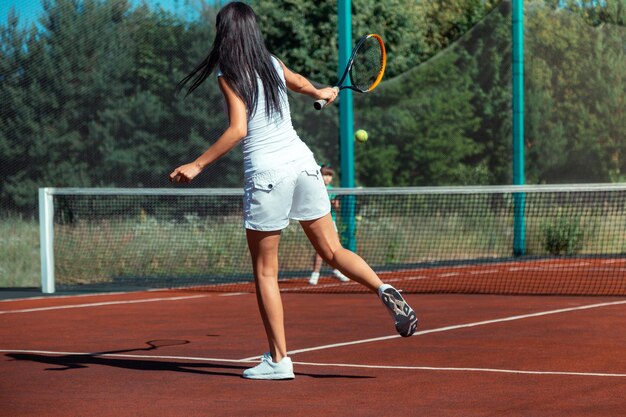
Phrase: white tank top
(271,142)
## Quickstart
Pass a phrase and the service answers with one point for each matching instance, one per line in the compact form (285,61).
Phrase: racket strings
(368,63)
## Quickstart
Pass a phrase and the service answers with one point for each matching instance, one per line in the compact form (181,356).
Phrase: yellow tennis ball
(361,135)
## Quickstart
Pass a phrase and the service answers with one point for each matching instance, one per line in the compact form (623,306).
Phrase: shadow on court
(70,362)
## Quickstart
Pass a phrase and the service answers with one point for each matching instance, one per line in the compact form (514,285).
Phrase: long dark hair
(240,52)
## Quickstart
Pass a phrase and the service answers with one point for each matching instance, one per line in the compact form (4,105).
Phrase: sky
(29,10)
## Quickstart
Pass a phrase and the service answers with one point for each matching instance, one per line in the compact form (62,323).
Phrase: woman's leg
(264,251)
(317,267)
(324,237)
(317,263)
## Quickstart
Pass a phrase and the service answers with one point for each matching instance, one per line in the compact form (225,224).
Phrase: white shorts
(295,191)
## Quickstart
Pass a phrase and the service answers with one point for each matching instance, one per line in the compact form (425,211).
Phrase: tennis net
(557,239)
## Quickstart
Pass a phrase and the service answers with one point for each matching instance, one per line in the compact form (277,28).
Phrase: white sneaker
(271,370)
(403,315)
(314,277)
(337,273)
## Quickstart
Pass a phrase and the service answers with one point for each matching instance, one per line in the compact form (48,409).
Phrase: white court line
(614,261)
(454,327)
(94,294)
(486,271)
(338,365)
(104,303)
(436,368)
(318,286)
(335,284)
(57,297)
(416,278)
(569,269)
(568,266)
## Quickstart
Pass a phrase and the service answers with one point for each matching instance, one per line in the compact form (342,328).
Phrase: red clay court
(500,334)
(181,353)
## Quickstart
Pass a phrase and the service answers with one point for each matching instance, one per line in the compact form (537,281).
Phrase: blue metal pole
(346,125)
(519,226)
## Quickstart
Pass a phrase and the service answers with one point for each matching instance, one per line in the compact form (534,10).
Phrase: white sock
(383,288)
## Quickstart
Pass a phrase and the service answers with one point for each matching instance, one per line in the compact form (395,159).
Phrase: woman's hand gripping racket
(366,67)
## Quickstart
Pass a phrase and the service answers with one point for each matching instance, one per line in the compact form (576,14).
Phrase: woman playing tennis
(282,181)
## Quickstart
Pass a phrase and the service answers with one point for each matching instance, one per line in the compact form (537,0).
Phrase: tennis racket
(366,67)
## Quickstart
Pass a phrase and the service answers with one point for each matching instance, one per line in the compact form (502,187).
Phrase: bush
(563,236)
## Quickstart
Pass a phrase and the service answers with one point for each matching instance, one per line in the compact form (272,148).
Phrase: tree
(295,30)
(89,96)
(18,126)
(428,126)
(303,33)
(575,88)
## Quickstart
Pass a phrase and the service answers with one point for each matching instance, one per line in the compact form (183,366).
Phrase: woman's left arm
(237,130)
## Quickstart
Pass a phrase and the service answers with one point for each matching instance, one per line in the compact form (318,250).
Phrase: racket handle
(319,104)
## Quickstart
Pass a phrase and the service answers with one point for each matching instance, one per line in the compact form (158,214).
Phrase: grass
(19,252)
(147,247)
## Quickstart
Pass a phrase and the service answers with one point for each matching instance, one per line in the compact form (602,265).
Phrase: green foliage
(88,97)
(594,12)
(575,86)
(91,100)
(19,252)
(422,137)
(143,248)
(303,33)
(563,236)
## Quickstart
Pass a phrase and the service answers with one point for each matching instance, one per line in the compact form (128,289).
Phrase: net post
(46,238)
(346,124)
(517,32)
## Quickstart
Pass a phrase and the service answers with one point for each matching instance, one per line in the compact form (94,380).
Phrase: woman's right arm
(299,84)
